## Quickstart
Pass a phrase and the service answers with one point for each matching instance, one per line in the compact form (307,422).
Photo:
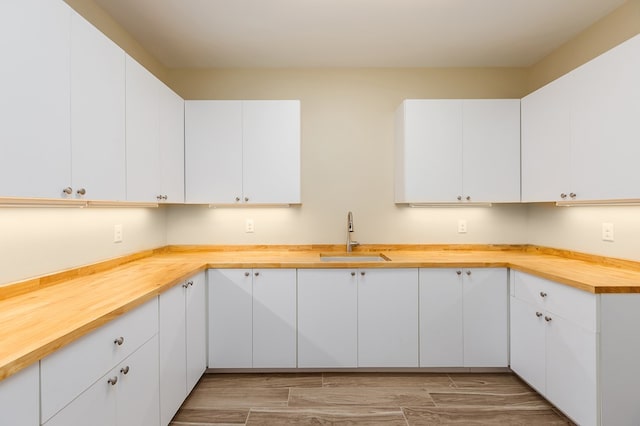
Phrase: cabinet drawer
(567,302)
(68,372)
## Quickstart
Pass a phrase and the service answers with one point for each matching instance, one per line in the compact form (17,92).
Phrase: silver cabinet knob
(353,274)
(468,273)
(573,195)
(257,274)
(468,198)
(113,380)
(190,283)
(459,272)
(185,285)
(547,319)
(543,294)
(124,370)
(563,195)
(237,199)
(164,197)
(459,197)
(363,273)
(246,199)
(158,197)
(246,274)
(68,190)
(81,191)
(119,341)
(538,314)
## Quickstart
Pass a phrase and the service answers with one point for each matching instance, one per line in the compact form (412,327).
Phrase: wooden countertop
(39,316)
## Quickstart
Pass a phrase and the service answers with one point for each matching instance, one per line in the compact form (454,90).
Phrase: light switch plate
(607,232)
(117,233)
(248,226)
(462,226)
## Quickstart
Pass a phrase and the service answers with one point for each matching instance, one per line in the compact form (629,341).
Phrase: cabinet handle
(164,197)
(469,273)
(538,314)
(119,341)
(257,274)
(158,197)
(237,199)
(547,319)
(353,274)
(573,195)
(246,274)
(468,198)
(68,190)
(190,283)
(112,381)
(246,199)
(459,197)
(185,285)
(363,273)
(563,195)
(543,294)
(459,272)
(124,370)
(81,191)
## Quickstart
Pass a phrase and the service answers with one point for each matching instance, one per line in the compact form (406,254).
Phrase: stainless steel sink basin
(353,258)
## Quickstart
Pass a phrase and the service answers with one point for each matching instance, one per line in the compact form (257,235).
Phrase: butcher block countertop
(41,315)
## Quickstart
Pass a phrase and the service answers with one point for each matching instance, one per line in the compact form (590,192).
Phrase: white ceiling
(354,33)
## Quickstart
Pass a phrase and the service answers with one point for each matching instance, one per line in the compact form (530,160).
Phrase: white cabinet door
(388,318)
(20,398)
(528,343)
(213,151)
(274,318)
(485,317)
(137,401)
(196,329)
(441,338)
(271,152)
(173,386)
(171,112)
(35,150)
(571,370)
(230,318)
(429,151)
(491,150)
(327,318)
(142,130)
(97,113)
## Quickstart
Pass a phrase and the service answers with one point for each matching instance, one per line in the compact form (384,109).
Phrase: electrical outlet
(117,233)
(607,232)
(462,226)
(248,226)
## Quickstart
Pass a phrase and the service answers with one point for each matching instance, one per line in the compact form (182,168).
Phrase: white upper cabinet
(35,153)
(580,132)
(97,114)
(458,151)
(155,138)
(242,152)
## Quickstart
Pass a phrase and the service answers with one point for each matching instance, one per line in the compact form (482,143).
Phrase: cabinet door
(429,152)
(528,344)
(171,110)
(485,317)
(138,388)
(491,150)
(546,141)
(172,340)
(274,318)
(213,151)
(230,318)
(142,129)
(20,398)
(441,339)
(97,113)
(388,318)
(196,329)
(271,151)
(327,318)
(35,150)
(571,370)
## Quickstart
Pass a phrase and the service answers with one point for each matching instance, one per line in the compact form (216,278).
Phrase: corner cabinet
(580,132)
(242,152)
(457,151)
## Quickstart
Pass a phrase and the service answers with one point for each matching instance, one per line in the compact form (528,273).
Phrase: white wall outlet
(462,226)
(117,233)
(248,226)
(607,232)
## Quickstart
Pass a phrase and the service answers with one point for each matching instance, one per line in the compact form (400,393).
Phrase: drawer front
(68,372)
(577,306)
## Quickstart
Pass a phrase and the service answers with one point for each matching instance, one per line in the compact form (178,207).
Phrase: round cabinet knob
(237,199)
(158,197)
(124,370)
(547,319)
(538,314)
(113,380)
(468,198)
(543,294)
(246,199)
(573,195)
(468,273)
(164,197)
(459,197)
(353,274)
(459,272)
(81,191)
(190,283)
(363,273)
(257,274)
(185,285)
(68,190)
(119,341)
(246,274)
(563,195)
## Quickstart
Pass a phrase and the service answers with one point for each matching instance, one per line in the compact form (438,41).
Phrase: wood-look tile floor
(403,399)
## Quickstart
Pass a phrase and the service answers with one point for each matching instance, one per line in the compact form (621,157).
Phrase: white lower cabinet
(182,338)
(252,318)
(387,317)
(463,317)
(20,398)
(327,318)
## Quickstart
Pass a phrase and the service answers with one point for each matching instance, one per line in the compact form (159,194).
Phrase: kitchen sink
(354,258)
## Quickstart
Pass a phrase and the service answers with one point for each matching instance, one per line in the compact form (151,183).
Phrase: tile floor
(405,399)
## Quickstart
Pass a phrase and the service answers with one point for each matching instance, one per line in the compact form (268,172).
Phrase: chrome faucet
(350,244)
